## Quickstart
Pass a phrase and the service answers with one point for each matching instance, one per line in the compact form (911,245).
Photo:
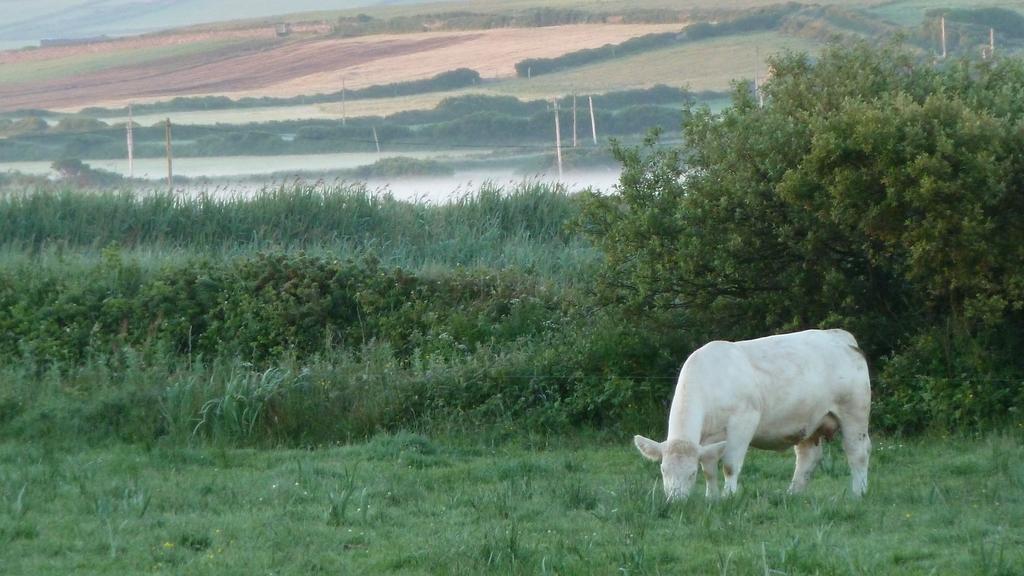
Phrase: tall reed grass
(524,226)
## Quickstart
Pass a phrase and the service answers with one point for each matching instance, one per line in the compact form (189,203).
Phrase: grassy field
(706,65)
(37,71)
(409,504)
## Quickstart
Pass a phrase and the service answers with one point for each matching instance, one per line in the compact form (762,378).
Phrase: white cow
(769,393)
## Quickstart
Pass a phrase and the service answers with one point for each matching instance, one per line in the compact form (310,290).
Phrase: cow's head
(679,460)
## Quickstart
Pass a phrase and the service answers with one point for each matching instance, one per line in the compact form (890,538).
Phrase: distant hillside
(29,21)
(300,65)
(254,62)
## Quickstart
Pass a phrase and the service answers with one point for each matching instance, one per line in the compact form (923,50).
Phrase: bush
(73,171)
(76,124)
(402,167)
(305,350)
(887,209)
(28,125)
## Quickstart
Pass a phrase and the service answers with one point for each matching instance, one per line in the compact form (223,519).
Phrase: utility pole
(375,140)
(558,141)
(574,120)
(170,173)
(757,81)
(131,145)
(942,25)
(593,123)
(344,116)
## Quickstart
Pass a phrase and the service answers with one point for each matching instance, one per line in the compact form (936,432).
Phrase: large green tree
(869,189)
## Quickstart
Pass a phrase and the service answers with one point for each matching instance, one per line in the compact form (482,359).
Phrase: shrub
(887,209)
(401,166)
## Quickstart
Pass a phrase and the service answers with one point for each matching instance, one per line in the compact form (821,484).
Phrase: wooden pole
(170,172)
(942,24)
(375,140)
(593,123)
(344,116)
(574,120)
(131,145)
(558,140)
(757,80)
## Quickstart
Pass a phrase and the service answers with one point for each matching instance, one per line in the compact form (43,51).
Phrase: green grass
(408,504)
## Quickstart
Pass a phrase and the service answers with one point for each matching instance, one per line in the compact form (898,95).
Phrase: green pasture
(475,504)
(710,64)
(36,71)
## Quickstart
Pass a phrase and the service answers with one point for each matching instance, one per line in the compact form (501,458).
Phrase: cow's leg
(808,454)
(740,431)
(710,469)
(857,445)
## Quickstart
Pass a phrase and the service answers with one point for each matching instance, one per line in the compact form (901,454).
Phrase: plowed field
(257,65)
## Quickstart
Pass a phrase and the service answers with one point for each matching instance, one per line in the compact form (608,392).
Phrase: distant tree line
(362,24)
(443,82)
(470,120)
(753,20)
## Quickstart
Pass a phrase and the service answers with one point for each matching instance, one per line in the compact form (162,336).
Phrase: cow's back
(804,375)
(791,380)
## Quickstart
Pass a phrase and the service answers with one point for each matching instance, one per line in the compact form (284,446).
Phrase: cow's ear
(711,453)
(649,448)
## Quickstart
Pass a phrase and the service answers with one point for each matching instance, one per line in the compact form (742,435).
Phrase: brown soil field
(293,67)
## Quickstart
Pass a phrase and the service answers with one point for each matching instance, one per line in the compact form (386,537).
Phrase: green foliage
(256,143)
(24,125)
(872,192)
(78,124)
(766,18)
(484,321)
(401,166)
(362,24)
(298,349)
(72,171)
(339,218)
